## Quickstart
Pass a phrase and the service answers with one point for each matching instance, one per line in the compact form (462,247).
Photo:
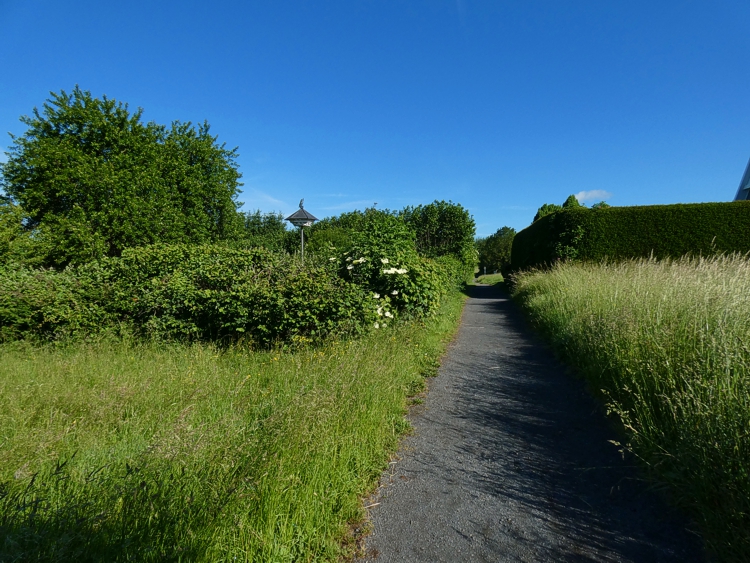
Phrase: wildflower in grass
(384,325)
(377,325)
(388,314)
(380,311)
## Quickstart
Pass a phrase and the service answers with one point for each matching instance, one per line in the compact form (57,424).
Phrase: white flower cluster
(384,260)
(395,271)
(382,313)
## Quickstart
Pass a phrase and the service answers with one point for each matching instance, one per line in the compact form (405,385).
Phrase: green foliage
(617,233)
(265,229)
(333,232)
(549,208)
(494,250)
(443,229)
(382,258)
(572,203)
(546,209)
(666,343)
(48,304)
(185,292)
(601,205)
(92,180)
(16,243)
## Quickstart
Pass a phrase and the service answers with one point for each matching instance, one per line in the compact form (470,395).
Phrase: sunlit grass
(146,452)
(489,279)
(668,343)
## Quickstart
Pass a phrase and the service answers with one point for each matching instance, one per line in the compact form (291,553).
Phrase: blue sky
(498,105)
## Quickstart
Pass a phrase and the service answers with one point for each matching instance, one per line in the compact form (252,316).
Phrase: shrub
(205,292)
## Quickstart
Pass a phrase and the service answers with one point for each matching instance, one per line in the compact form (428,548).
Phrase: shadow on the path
(547,448)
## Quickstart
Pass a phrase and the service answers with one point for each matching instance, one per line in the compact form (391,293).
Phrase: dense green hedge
(184,291)
(629,232)
(215,292)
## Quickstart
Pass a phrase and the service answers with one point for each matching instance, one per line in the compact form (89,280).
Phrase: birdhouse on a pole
(302,219)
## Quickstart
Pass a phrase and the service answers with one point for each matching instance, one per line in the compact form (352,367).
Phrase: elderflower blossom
(394,292)
(332,258)
(376,296)
(377,325)
(388,314)
(380,311)
(384,260)
(349,267)
(395,271)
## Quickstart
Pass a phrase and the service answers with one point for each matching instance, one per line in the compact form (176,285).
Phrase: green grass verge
(668,344)
(489,279)
(147,452)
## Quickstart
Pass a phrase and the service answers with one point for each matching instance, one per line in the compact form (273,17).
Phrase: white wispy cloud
(255,198)
(593,195)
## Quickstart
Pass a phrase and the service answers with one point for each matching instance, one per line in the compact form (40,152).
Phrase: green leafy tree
(546,209)
(572,202)
(92,179)
(265,229)
(601,205)
(494,250)
(443,229)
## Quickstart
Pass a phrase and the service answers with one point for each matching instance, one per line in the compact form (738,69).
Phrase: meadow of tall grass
(667,343)
(116,451)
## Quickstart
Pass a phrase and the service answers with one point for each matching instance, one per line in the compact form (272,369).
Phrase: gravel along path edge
(511,460)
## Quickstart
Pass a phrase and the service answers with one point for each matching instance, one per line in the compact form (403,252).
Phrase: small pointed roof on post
(301,218)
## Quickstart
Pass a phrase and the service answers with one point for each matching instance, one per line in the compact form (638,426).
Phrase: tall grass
(668,345)
(145,452)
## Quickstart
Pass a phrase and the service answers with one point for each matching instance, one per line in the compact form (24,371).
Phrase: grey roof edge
(743,192)
(302,214)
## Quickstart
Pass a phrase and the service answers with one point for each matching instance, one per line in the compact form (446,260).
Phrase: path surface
(510,460)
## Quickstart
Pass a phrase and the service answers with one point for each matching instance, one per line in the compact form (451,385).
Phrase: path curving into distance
(510,460)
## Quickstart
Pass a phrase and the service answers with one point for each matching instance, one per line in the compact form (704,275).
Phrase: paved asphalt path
(510,460)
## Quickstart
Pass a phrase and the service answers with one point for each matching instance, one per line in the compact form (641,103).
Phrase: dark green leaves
(92,180)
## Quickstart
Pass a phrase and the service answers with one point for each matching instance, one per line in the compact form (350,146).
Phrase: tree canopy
(494,250)
(92,179)
(442,229)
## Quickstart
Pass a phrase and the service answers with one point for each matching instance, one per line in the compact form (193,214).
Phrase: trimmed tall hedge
(619,233)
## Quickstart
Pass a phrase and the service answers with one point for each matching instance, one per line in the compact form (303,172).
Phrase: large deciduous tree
(93,179)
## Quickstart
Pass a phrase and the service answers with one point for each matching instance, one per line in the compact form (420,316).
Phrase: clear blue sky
(498,105)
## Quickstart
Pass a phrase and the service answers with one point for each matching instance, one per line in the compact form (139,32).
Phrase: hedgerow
(618,233)
(218,293)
